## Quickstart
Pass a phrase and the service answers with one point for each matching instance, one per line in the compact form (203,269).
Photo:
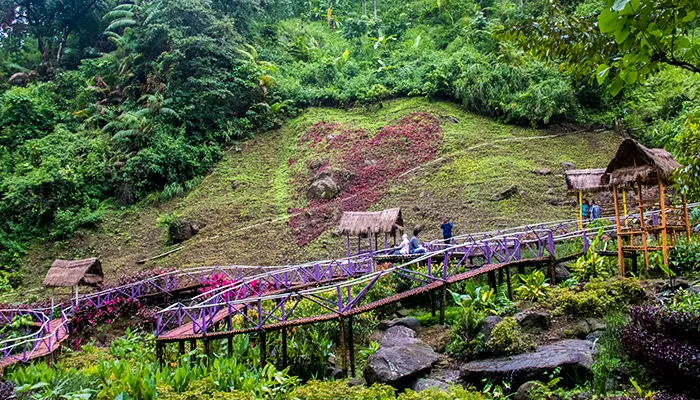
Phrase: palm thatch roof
(362,223)
(585,180)
(74,272)
(636,163)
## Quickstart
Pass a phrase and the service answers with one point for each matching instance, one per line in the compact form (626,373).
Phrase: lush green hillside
(249,224)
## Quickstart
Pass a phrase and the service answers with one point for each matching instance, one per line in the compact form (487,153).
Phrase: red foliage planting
(361,165)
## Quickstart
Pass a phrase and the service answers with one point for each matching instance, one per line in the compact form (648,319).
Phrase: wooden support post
(552,271)
(230,346)
(359,246)
(347,243)
(351,343)
(624,205)
(159,353)
(686,216)
(432,303)
(207,349)
(664,231)
(285,361)
(580,210)
(500,276)
(492,279)
(262,338)
(634,263)
(620,255)
(509,281)
(343,347)
(181,347)
(443,300)
(642,225)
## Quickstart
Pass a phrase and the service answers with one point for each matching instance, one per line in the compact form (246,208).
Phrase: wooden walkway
(49,343)
(170,337)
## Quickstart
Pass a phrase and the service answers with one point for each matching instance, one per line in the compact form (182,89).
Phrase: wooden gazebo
(372,223)
(581,181)
(74,273)
(635,165)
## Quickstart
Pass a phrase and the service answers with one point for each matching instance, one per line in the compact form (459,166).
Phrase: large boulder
(561,273)
(322,187)
(532,321)
(487,324)
(401,359)
(184,231)
(505,194)
(408,322)
(573,357)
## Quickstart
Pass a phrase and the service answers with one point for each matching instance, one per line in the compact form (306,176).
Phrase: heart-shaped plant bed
(336,168)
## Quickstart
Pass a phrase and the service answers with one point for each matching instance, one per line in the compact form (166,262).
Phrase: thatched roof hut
(68,273)
(585,180)
(636,163)
(363,223)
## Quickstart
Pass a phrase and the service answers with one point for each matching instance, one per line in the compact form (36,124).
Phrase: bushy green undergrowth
(596,298)
(340,390)
(508,339)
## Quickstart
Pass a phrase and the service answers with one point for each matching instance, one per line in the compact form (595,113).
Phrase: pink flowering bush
(361,164)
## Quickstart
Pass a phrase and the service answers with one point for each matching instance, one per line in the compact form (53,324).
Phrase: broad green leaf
(631,76)
(608,21)
(602,73)
(616,86)
(619,5)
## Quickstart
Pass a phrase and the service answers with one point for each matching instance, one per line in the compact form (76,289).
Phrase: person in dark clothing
(446,230)
(414,246)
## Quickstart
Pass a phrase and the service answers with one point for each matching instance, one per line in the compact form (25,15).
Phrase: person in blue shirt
(414,246)
(585,209)
(595,210)
(446,230)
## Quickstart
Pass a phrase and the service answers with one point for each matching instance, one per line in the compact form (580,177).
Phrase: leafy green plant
(684,258)
(507,339)
(534,286)
(592,265)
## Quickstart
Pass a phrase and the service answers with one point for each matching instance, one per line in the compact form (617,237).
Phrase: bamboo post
(580,210)
(624,205)
(686,217)
(263,348)
(284,348)
(620,254)
(443,300)
(642,224)
(343,351)
(664,238)
(351,343)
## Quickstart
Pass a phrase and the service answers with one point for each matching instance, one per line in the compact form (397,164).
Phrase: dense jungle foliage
(106,103)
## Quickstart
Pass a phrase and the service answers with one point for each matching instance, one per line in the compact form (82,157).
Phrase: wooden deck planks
(58,335)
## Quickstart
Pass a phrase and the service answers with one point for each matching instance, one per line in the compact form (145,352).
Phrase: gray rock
(505,194)
(561,273)
(356,382)
(527,391)
(593,336)
(595,324)
(408,322)
(487,324)
(533,321)
(549,192)
(425,383)
(322,187)
(574,357)
(184,231)
(568,165)
(334,373)
(403,313)
(401,359)
(580,329)
(545,171)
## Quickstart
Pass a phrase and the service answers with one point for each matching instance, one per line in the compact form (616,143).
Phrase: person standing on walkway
(585,210)
(595,211)
(446,230)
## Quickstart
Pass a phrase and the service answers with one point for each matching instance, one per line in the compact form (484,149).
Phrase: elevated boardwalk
(57,334)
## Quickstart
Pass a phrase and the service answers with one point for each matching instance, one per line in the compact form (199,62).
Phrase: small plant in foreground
(534,286)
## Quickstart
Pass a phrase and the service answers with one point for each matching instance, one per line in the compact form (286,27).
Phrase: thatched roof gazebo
(74,273)
(370,223)
(584,180)
(636,165)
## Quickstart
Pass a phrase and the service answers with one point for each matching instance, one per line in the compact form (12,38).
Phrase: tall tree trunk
(375,9)
(364,7)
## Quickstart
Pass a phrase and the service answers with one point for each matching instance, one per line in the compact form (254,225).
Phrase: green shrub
(685,256)
(507,339)
(171,223)
(597,297)
(340,390)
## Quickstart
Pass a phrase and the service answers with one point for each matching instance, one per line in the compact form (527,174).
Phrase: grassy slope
(248,225)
